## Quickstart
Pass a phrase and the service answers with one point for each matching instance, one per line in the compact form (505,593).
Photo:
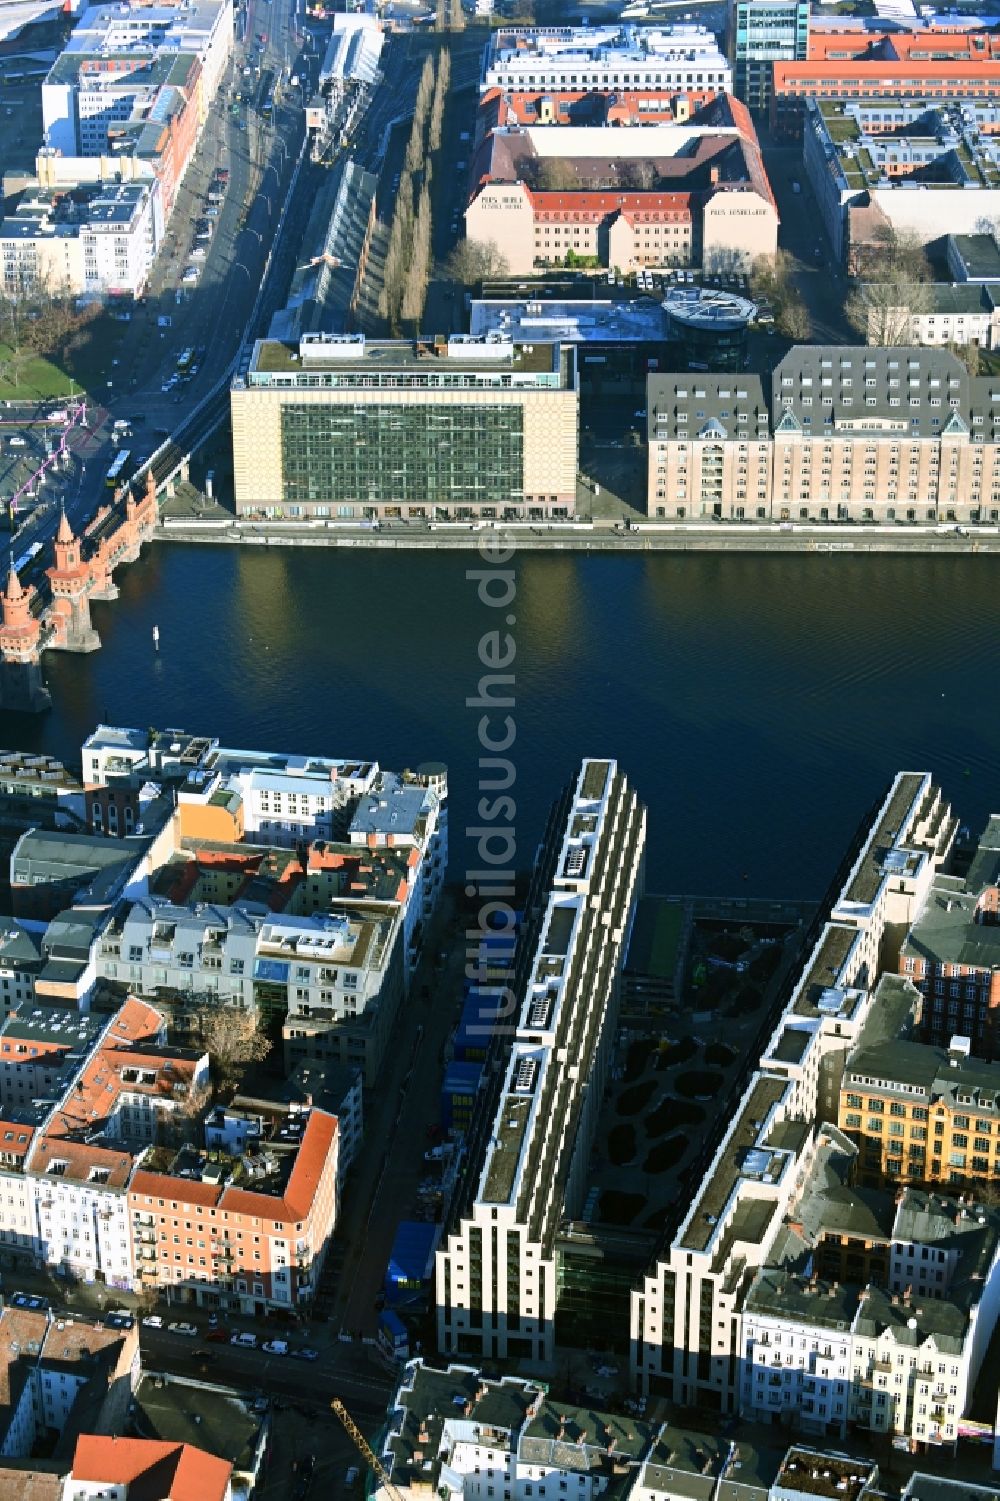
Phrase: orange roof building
(929,64)
(150,1469)
(258,1241)
(670,195)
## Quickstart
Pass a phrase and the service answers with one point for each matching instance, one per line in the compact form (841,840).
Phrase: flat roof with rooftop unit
(459,361)
(559,1053)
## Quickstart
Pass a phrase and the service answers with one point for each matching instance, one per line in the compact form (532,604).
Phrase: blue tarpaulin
(412,1260)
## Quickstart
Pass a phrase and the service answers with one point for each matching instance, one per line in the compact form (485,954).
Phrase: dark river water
(758,704)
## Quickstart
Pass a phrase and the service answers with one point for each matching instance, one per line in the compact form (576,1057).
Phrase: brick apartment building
(838,433)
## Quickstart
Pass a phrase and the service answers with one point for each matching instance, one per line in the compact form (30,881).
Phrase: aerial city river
(758,704)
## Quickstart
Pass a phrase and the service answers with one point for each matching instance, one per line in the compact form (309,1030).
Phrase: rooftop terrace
(870,871)
(717,1188)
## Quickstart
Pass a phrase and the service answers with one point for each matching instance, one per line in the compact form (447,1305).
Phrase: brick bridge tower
(21,686)
(69,613)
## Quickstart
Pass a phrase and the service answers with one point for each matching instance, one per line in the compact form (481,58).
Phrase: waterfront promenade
(579,536)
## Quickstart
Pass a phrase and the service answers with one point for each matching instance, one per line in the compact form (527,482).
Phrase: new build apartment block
(837,433)
(338,426)
(123,107)
(109,70)
(687,1312)
(496,1284)
(296,887)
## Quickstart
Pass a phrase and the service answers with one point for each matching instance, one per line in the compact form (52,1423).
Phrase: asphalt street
(211,317)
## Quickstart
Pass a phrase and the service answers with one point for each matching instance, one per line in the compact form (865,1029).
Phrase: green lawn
(86,363)
(37,378)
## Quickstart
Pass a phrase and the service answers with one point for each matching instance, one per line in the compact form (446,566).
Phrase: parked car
(188,1330)
(275,1347)
(218,1336)
(119,1321)
(28,1300)
(306,1354)
(152,1321)
(247,1340)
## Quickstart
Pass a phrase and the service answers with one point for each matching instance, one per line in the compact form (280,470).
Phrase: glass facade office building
(762,32)
(340,428)
(399,455)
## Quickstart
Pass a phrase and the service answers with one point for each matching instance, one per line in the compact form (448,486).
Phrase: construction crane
(365,1450)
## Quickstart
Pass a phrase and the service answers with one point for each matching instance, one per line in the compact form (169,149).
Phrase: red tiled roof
(300,1191)
(932,44)
(15,1138)
(80,1159)
(554,206)
(135,1022)
(179,1190)
(522,106)
(168,1472)
(889,77)
(317,1140)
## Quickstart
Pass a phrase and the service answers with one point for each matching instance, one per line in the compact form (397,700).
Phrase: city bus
(265,94)
(185,361)
(118,467)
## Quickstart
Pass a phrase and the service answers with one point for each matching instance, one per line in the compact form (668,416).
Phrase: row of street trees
(409,254)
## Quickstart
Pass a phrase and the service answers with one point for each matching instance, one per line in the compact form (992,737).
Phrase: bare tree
(415,288)
(232,1038)
(771,275)
(442,83)
(637,176)
(882,312)
(968,354)
(178,1127)
(549,174)
(424,90)
(475,261)
(793,320)
(397,254)
(901,253)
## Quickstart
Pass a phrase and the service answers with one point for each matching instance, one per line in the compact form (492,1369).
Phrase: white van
(245,1340)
